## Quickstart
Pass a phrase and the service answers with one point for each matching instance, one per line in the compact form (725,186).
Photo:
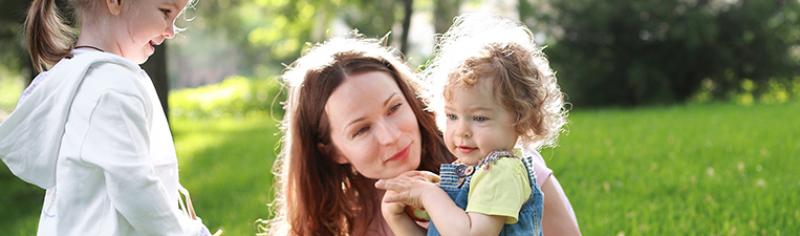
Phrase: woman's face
(373,127)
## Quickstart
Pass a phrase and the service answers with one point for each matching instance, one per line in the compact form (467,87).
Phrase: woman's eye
(451,117)
(395,108)
(361,131)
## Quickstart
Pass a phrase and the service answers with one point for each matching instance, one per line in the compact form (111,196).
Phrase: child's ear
(114,6)
(332,153)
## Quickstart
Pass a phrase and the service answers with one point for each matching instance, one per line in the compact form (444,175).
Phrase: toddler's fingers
(434,178)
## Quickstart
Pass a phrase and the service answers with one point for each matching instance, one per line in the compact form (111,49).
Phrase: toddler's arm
(412,188)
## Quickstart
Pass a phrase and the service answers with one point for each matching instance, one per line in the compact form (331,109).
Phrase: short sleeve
(500,190)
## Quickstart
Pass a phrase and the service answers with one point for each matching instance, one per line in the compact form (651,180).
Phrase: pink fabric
(542,172)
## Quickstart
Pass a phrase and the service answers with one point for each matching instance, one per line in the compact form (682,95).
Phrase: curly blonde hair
(481,47)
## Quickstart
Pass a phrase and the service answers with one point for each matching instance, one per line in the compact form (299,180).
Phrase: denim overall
(530,215)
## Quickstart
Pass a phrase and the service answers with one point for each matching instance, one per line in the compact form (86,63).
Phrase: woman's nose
(387,132)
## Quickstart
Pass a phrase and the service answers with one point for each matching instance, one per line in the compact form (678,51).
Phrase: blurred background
(683,117)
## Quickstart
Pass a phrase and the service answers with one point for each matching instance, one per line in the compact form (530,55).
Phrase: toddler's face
(477,123)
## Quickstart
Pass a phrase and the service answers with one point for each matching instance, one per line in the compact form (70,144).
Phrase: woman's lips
(401,155)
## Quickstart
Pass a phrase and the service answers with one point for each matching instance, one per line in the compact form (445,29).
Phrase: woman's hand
(390,209)
(401,192)
(407,188)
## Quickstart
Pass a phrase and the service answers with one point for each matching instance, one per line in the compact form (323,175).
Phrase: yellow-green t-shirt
(501,190)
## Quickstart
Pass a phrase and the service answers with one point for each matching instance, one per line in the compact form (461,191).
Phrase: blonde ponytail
(48,38)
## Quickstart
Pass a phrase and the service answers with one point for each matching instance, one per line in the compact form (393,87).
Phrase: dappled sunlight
(226,164)
(683,114)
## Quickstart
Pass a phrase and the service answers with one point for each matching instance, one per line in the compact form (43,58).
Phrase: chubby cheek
(495,141)
(449,139)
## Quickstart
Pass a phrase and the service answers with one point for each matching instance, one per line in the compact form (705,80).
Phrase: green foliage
(10,90)
(660,51)
(262,36)
(750,93)
(21,204)
(235,96)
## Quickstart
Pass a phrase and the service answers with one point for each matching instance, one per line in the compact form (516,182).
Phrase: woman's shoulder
(539,166)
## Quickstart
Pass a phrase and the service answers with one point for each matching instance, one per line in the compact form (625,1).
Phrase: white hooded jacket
(93,134)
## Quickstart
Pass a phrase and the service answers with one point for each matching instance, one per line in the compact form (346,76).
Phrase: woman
(352,117)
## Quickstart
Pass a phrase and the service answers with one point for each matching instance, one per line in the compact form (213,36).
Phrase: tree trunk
(443,13)
(156,67)
(28,71)
(408,11)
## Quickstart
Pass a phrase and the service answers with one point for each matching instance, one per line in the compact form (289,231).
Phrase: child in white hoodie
(91,130)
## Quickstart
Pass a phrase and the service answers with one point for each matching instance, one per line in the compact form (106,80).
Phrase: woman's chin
(394,171)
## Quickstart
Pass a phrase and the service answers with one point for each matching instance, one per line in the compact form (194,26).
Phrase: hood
(30,137)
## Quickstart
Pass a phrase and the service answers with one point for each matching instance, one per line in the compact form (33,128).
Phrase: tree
(12,53)
(156,68)
(408,11)
(258,38)
(443,13)
(660,51)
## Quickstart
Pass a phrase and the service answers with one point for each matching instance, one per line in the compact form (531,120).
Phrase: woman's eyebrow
(389,98)
(363,118)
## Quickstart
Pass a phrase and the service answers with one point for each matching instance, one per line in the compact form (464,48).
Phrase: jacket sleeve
(118,142)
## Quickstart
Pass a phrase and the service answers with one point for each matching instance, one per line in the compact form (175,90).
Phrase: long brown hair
(48,38)
(319,196)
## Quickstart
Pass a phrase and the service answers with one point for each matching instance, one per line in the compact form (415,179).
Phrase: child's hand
(407,188)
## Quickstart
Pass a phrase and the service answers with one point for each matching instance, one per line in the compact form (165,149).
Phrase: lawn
(713,169)
(683,170)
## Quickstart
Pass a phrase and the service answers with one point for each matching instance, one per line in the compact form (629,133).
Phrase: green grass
(684,170)
(10,89)
(226,163)
(714,169)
